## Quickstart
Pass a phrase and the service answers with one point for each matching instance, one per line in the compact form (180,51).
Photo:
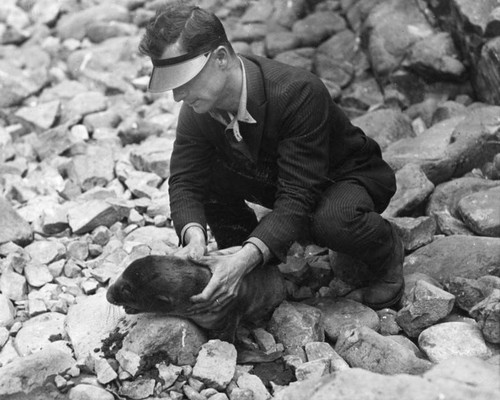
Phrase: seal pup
(164,284)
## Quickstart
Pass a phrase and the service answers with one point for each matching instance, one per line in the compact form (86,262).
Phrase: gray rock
(385,126)
(85,391)
(481,212)
(415,232)
(364,348)
(476,380)
(138,389)
(253,383)
(295,324)
(75,25)
(302,58)
(279,42)
(38,332)
(362,95)
(46,252)
(27,374)
(83,104)
(451,256)
(216,364)
(7,312)
(448,109)
(85,217)
(452,147)
(14,227)
(96,168)
(317,27)
(424,306)
(388,324)
(487,72)
(450,339)
(37,274)
(436,57)
(153,155)
(340,314)
(100,31)
(13,285)
(413,188)
(313,369)
(42,115)
(487,315)
(468,292)
(323,350)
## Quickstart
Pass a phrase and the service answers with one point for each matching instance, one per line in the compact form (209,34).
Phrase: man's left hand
(228,272)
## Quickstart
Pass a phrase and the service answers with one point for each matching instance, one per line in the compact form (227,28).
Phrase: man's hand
(228,272)
(195,246)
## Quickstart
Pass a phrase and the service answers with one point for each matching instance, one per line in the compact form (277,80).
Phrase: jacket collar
(256,106)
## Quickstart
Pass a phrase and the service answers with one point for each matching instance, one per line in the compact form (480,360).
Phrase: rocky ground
(84,158)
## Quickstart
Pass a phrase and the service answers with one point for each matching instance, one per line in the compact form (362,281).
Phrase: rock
(169,373)
(216,363)
(105,373)
(147,334)
(317,27)
(452,147)
(340,314)
(46,252)
(487,78)
(313,369)
(75,25)
(423,307)
(42,116)
(301,58)
(252,383)
(14,227)
(322,350)
(153,155)
(39,332)
(37,274)
(333,58)
(451,256)
(83,104)
(138,389)
(467,292)
(414,232)
(388,324)
(413,188)
(7,313)
(364,95)
(448,109)
(385,126)
(362,347)
(96,168)
(295,324)
(264,340)
(28,374)
(436,58)
(89,392)
(481,212)
(278,42)
(449,339)
(446,197)
(13,285)
(478,383)
(87,216)
(487,315)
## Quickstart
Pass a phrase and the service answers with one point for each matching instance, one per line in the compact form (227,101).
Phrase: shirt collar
(242,115)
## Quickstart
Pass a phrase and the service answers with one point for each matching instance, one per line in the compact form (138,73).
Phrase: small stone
(192,394)
(78,249)
(388,324)
(265,340)
(89,392)
(255,385)
(322,350)
(105,374)
(313,369)
(487,315)
(138,389)
(449,339)
(215,364)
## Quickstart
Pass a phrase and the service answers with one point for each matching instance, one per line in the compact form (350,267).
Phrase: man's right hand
(195,246)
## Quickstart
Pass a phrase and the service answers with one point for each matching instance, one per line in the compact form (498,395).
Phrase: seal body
(164,284)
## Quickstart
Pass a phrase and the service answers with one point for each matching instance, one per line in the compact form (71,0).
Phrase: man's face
(202,93)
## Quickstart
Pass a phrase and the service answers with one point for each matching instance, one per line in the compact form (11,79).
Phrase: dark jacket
(302,142)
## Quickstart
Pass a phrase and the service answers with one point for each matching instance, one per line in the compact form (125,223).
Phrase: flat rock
(451,147)
(413,188)
(460,255)
(85,217)
(295,324)
(449,339)
(45,251)
(481,212)
(216,364)
(14,227)
(30,373)
(37,333)
(415,232)
(340,314)
(424,306)
(385,126)
(487,315)
(96,168)
(458,379)
(364,348)
(153,155)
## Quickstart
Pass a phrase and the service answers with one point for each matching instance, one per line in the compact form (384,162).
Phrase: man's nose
(179,94)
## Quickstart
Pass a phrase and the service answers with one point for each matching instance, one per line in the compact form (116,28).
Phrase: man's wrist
(194,234)
(252,254)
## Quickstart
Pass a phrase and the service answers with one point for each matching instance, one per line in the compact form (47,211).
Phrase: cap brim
(169,77)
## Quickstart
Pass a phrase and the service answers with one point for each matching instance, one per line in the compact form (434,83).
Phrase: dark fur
(164,284)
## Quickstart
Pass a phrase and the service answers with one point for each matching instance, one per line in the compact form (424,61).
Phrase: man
(254,129)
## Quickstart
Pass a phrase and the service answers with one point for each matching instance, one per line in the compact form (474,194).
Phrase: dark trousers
(344,220)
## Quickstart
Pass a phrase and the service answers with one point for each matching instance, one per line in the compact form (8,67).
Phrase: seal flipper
(227,332)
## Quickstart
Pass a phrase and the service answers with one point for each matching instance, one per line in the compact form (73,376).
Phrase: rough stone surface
(216,364)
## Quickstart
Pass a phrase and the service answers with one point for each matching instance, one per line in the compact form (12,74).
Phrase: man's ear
(222,56)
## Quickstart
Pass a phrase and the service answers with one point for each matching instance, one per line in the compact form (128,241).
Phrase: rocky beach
(84,167)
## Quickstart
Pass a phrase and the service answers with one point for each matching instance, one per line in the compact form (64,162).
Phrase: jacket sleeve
(303,162)
(189,172)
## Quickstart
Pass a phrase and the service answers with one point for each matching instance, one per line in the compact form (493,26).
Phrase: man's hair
(192,27)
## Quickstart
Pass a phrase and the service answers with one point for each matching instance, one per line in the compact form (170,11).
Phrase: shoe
(388,289)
